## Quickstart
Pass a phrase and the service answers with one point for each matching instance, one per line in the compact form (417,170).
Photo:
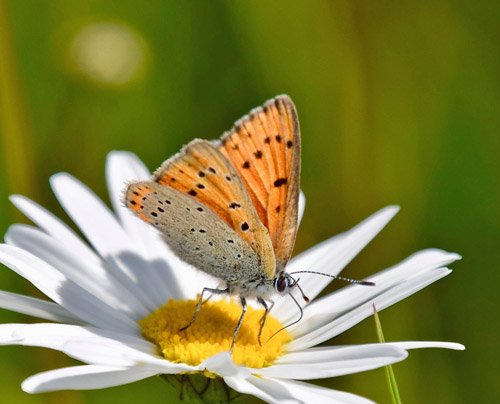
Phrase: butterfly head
(284,284)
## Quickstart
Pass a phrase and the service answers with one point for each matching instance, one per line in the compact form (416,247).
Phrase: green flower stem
(194,388)
(391,378)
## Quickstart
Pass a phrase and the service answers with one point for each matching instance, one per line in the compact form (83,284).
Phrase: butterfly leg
(200,301)
(244,305)
(264,317)
(207,299)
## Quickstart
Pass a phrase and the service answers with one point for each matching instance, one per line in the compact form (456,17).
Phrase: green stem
(391,378)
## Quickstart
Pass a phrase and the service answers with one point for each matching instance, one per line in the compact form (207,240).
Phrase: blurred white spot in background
(108,54)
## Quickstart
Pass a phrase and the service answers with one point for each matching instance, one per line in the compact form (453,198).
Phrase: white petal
(37,308)
(325,362)
(269,394)
(91,345)
(55,227)
(65,337)
(86,377)
(302,206)
(331,256)
(178,278)
(103,231)
(63,291)
(222,365)
(278,391)
(90,276)
(308,393)
(427,344)
(336,304)
(320,334)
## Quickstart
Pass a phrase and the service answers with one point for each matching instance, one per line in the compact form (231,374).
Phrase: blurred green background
(398,103)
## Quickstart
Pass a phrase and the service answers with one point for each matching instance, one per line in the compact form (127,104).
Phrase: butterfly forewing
(202,172)
(194,232)
(264,148)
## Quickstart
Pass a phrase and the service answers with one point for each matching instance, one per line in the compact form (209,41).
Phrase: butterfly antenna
(354,281)
(295,322)
(301,291)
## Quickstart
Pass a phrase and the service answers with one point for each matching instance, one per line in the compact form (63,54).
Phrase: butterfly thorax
(261,287)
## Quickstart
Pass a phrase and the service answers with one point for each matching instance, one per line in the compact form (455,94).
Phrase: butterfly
(229,207)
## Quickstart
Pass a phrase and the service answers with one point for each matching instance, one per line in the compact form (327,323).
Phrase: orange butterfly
(230,207)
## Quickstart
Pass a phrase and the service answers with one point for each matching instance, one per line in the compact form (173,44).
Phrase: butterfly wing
(264,148)
(205,175)
(194,232)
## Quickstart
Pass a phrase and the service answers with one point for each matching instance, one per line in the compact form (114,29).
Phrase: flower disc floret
(212,333)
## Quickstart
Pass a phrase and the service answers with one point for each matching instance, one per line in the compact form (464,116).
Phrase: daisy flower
(118,302)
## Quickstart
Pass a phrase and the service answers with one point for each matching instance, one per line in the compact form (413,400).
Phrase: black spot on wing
(280,181)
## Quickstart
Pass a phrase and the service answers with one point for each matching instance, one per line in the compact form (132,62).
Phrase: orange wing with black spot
(264,148)
(201,171)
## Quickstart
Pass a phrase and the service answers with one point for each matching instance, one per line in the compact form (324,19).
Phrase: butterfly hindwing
(202,172)
(193,231)
(264,148)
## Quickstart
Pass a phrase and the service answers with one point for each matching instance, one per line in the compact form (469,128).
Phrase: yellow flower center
(212,332)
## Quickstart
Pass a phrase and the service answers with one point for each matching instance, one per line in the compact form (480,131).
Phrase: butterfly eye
(282,283)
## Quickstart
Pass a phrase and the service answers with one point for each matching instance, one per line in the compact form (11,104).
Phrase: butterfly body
(229,207)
